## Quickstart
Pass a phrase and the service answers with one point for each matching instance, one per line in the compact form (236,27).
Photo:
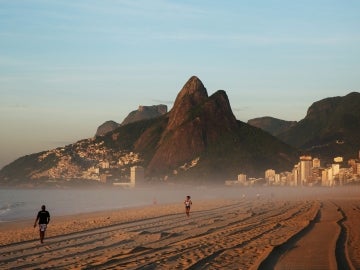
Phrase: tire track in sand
(228,237)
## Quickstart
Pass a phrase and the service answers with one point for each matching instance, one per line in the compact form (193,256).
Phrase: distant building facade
(305,169)
(136,174)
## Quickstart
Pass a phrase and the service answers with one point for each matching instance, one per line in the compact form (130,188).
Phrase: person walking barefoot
(188,204)
(43,217)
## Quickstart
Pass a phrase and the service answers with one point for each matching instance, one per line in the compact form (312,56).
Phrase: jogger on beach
(43,217)
(188,204)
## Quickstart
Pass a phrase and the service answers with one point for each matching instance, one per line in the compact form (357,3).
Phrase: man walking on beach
(43,217)
(188,204)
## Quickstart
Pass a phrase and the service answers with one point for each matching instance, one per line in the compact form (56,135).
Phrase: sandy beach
(319,232)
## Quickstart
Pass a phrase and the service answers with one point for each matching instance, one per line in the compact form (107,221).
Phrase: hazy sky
(68,66)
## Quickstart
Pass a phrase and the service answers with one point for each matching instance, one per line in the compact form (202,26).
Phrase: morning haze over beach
(179,135)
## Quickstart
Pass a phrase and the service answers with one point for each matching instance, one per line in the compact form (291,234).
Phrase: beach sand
(248,233)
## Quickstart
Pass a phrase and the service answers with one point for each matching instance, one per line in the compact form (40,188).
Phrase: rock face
(106,127)
(195,121)
(272,125)
(331,127)
(203,130)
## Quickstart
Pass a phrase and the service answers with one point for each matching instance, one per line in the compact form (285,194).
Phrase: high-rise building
(330,177)
(270,176)
(324,177)
(295,174)
(305,169)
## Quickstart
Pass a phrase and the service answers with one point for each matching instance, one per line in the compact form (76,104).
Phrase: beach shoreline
(228,234)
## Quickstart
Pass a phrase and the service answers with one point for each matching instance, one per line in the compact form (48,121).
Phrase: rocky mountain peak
(218,110)
(194,89)
(192,94)
(323,108)
(195,121)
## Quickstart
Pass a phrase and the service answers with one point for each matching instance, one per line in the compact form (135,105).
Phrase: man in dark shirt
(43,217)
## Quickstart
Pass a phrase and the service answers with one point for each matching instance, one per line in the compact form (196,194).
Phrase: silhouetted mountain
(145,112)
(272,125)
(142,113)
(330,128)
(199,139)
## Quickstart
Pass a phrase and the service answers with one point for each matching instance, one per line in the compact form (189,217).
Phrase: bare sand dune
(228,234)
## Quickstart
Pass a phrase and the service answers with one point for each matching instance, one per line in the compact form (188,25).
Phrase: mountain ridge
(272,125)
(143,112)
(199,139)
(331,125)
(330,128)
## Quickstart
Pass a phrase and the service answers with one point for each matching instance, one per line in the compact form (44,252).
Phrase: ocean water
(18,204)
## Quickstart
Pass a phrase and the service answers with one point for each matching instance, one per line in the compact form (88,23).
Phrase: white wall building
(305,169)
(295,173)
(136,174)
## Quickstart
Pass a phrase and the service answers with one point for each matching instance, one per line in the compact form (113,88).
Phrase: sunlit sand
(317,231)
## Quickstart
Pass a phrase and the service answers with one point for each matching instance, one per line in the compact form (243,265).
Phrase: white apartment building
(305,169)
(136,174)
(295,173)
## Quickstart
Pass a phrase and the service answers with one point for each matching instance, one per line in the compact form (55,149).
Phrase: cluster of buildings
(307,172)
(95,161)
(87,160)
(105,170)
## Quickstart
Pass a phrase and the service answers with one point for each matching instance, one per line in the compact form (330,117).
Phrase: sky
(68,66)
